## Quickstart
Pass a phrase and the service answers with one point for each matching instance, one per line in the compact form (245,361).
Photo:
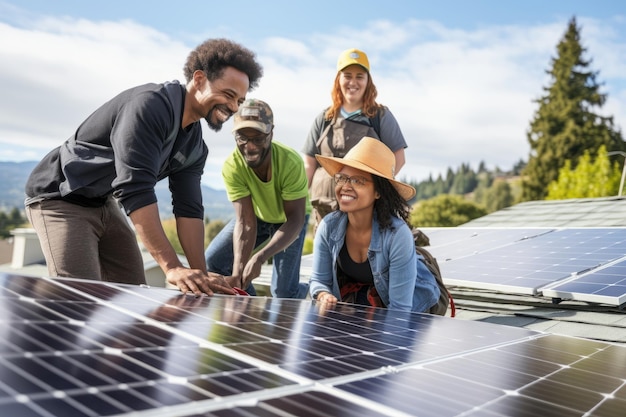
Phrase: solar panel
(606,285)
(85,348)
(529,261)
(449,243)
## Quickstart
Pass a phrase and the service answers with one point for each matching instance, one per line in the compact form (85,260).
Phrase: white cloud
(460,96)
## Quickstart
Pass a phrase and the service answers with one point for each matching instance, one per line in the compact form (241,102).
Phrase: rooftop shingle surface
(580,212)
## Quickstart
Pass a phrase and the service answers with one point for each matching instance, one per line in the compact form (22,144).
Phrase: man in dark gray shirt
(118,154)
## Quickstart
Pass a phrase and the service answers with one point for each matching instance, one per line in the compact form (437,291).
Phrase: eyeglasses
(356,180)
(257,140)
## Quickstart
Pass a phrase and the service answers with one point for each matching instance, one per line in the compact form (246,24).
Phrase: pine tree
(566,125)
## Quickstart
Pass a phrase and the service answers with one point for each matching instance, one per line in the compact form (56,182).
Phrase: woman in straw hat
(364,253)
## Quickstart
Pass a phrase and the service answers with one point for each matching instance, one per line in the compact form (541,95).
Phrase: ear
(376,195)
(199,79)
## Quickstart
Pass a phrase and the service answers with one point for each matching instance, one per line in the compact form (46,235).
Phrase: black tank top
(354,271)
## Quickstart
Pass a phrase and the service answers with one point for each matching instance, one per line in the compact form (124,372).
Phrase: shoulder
(384,113)
(286,153)
(332,219)
(331,224)
(234,163)
(151,100)
(282,148)
(171,91)
(398,230)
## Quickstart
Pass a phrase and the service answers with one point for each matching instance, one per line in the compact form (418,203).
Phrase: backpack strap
(326,126)
(375,121)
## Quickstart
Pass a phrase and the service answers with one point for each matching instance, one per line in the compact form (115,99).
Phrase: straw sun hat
(369,155)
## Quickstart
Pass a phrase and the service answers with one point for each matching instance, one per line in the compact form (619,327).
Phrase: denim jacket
(401,278)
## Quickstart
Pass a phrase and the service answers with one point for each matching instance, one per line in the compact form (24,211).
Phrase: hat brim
(260,126)
(333,165)
(347,64)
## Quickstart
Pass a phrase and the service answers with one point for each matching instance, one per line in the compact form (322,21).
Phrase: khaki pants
(87,242)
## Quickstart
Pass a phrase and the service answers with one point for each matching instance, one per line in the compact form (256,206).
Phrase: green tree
(446,185)
(498,196)
(11,221)
(211,230)
(169,226)
(566,124)
(464,181)
(445,211)
(485,179)
(597,178)
(518,167)
(4,225)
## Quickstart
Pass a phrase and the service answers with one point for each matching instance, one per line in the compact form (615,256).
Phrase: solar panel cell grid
(155,352)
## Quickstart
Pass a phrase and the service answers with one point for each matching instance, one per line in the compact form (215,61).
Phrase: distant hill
(13,176)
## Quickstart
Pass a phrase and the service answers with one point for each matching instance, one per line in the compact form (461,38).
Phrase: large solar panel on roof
(534,261)
(84,348)
(452,243)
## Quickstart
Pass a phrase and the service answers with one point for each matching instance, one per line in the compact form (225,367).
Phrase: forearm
(310,165)
(284,236)
(287,232)
(400,159)
(191,236)
(195,280)
(148,226)
(244,238)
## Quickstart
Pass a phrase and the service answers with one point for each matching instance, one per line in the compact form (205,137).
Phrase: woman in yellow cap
(353,114)
(364,253)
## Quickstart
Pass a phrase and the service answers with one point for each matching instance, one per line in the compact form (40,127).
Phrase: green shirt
(288,183)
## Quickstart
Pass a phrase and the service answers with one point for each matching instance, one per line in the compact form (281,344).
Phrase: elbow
(400,160)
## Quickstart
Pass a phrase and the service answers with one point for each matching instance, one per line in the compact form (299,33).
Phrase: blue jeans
(286,264)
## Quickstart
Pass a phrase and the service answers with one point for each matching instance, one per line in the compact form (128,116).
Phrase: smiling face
(355,197)
(254,146)
(219,99)
(352,81)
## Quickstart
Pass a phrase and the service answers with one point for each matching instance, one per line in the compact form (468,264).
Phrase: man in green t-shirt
(268,187)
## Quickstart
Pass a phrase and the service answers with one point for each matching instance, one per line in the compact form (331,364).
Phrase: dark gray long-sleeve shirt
(124,148)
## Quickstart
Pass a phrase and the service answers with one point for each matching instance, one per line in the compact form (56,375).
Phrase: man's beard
(216,126)
(213,126)
(262,157)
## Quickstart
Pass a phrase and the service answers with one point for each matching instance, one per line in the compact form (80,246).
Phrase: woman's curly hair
(214,55)
(390,203)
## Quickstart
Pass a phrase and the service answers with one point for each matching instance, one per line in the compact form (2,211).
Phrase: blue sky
(460,76)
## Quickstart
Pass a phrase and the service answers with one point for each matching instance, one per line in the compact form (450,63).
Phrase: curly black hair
(214,55)
(389,204)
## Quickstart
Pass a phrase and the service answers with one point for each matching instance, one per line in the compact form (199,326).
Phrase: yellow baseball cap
(351,57)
